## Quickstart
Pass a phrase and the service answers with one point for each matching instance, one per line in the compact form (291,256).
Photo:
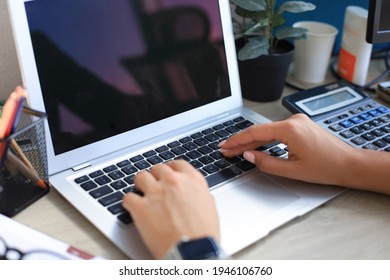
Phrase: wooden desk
(354,225)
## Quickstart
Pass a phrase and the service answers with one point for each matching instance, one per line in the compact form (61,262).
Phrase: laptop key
(115,175)
(101,192)
(162,149)
(149,153)
(102,180)
(222,163)
(110,168)
(217,155)
(167,155)
(244,124)
(125,218)
(196,164)
(136,158)
(222,133)
(179,150)
(155,160)
(118,185)
(129,170)
(205,150)
(116,208)
(173,144)
(245,165)
(96,174)
(222,175)
(110,199)
(210,169)
(142,165)
(206,159)
(123,163)
(183,157)
(89,185)
(130,179)
(81,179)
(212,137)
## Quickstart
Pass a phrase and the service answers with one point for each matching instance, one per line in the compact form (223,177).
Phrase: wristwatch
(195,249)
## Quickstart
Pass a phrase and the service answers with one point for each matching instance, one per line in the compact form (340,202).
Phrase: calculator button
(378,132)
(387,139)
(356,120)
(387,149)
(358,141)
(376,122)
(385,119)
(383,110)
(347,134)
(357,130)
(366,107)
(336,127)
(374,113)
(368,136)
(370,147)
(365,116)
(380,143)
(346,123)
(367,126)
(355,111)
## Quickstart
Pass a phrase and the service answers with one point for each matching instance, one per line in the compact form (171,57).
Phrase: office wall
(9,69)
(329,11)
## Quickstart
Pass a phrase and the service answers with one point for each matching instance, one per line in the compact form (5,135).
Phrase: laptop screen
(106,67)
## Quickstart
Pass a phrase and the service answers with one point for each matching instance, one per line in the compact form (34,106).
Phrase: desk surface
(354,225)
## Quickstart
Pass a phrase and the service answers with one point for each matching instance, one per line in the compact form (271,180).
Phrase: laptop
(130,83)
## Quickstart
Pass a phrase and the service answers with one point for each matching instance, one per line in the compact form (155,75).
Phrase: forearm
(368,170)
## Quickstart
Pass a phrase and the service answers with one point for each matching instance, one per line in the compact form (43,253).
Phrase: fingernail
(221,143)
(249,157)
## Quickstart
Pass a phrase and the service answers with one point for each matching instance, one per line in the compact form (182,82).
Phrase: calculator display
(329,101)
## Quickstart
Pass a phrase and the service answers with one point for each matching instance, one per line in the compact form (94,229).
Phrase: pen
(26,171)
(18,151)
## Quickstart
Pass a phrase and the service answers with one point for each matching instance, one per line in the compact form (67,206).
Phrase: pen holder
(23,164)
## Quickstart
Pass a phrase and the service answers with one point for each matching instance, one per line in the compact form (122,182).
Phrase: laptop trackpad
(246,201)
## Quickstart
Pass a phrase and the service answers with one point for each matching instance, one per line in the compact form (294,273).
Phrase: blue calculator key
(356,120)
(383,110)
(374,113)
(365,116)
(346,123)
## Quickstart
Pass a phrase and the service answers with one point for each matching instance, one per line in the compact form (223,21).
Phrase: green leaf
(291,33)
(257,26)
(296,7)
(251,5)
(254,48)
(278,20)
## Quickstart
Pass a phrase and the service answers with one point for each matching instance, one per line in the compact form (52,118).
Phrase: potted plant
(263,49)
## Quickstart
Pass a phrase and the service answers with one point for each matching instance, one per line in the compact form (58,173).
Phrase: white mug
(312,55)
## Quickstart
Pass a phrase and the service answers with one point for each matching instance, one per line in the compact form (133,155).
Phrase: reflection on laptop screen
(106,67)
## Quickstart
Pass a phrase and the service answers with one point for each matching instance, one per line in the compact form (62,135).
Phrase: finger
(272,165)
(181,166)
(144,181)
(262,133)
(161,170)
(132,202)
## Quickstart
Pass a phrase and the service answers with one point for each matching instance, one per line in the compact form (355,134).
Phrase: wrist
(195,249)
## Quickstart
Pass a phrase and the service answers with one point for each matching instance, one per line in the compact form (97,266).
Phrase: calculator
(347,113)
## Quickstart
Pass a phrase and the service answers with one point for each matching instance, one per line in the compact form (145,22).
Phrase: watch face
(199,249)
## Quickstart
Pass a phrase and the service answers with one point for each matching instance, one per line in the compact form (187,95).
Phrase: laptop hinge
(82,166)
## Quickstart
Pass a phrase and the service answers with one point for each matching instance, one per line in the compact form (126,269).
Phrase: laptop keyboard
(110,184)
